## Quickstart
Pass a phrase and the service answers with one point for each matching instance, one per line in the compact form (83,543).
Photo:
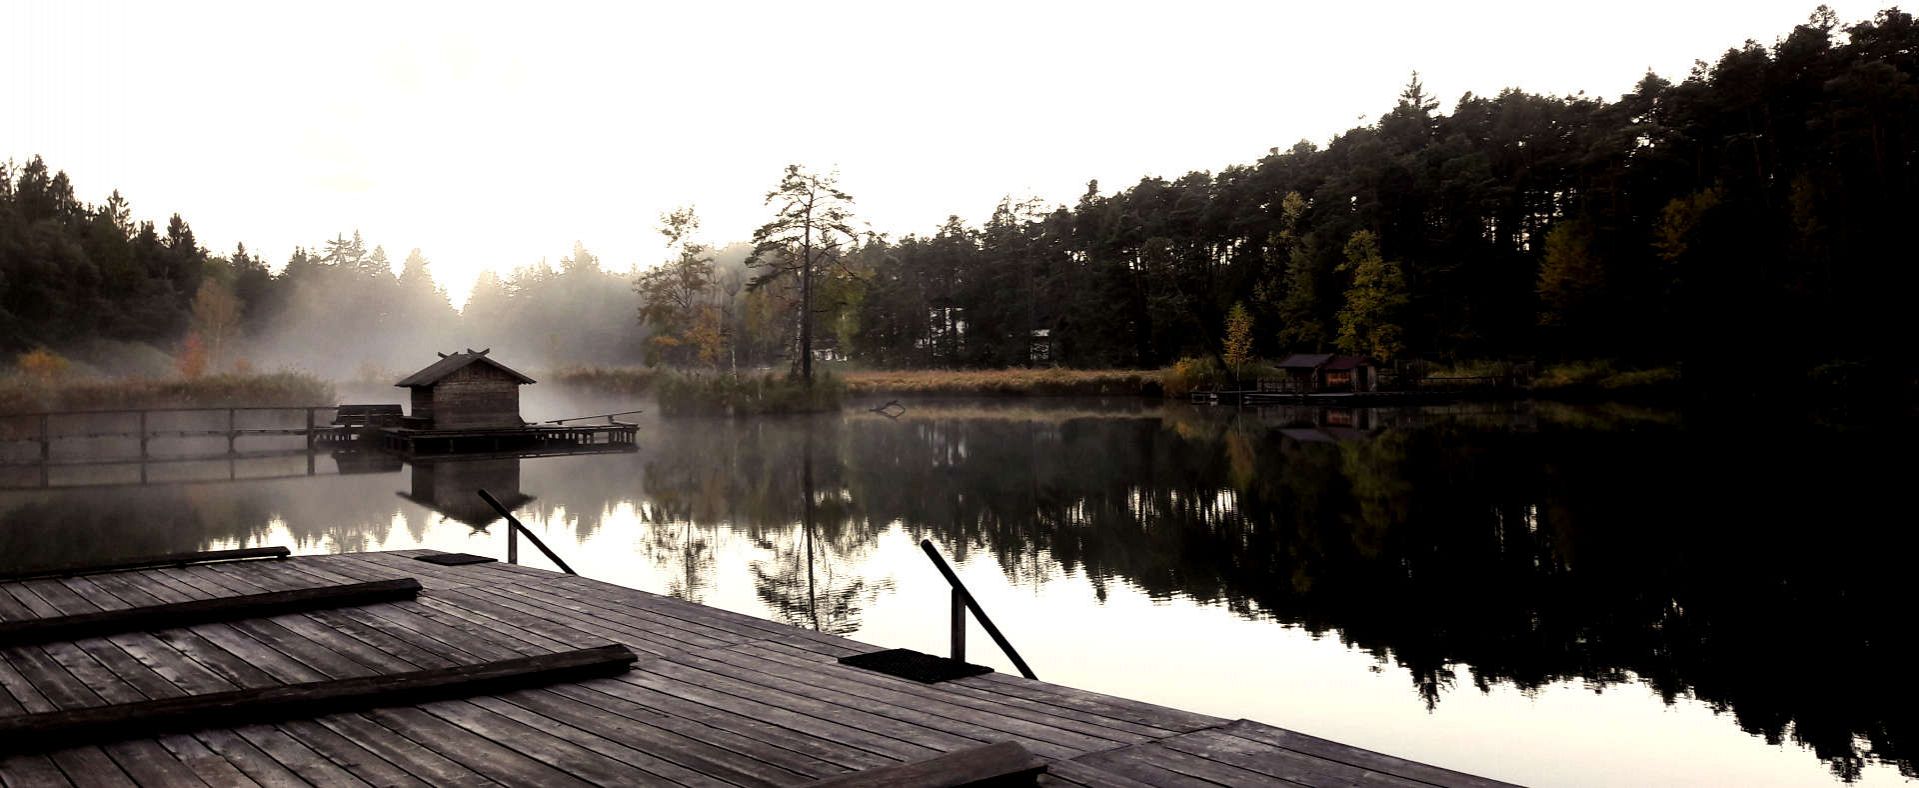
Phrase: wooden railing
(142,429)
(963,601)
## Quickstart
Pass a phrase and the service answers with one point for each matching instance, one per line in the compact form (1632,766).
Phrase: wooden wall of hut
(474,396)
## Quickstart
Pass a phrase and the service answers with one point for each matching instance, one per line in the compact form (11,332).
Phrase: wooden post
(310,439)
(230,433)
(143,442)
(959,625)
(46,438)
(512,544)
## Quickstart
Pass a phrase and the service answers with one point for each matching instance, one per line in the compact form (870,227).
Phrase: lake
(1548,594)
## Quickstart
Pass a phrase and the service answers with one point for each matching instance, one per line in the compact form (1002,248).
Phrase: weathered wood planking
(717,698)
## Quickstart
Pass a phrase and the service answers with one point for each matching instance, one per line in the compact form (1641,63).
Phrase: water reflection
(1756,569)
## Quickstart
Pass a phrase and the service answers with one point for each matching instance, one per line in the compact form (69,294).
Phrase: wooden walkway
(715,698)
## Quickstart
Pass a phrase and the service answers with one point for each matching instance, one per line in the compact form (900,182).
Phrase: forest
(1744,224)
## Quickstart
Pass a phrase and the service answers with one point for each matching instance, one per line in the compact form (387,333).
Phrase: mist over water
(1494,588)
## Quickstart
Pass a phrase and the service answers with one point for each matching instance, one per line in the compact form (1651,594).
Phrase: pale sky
(493,135)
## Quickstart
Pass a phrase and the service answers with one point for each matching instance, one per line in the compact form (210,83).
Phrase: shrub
(43,366)
(1190,374)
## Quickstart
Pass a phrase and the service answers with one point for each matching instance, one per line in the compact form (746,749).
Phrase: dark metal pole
(959,626)
(972,604)
(514,525)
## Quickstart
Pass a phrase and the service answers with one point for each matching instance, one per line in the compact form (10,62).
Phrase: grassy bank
(1005,382)
(629,381)
(714,394)
(25,394)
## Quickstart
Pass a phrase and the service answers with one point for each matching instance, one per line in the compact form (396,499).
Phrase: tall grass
(713,394)
(25,394)
(1005,382)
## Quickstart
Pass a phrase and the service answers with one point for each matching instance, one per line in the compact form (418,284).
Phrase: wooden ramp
(638,689)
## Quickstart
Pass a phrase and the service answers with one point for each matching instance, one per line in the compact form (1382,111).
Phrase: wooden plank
(1106,705)
(201,611)
(587,738)
(908,710)
(20,690)
(705,733)
(1190,767)
(1367,759)
(421,763)
(53,681)
(665,634)
(692,754)
(749,732)
(1279,763)
(798,714)
(1132,767)
(1012,720)
(355,758)
(489,758)
(283,669)
(560,623)
(147,763)
(1002,761)
(527,631)
(1067,773)
(89,672)
(11,609)
(24,597)
(541,744)
(143,562)
(89,766)
(250,760)
(379,633)
(212,769)
(31,771)
(37,731)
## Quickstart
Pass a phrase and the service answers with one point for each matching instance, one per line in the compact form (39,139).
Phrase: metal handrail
(963,601)
(514,528)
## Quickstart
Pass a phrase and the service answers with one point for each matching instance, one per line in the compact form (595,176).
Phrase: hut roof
(448,364)
(1346,362)
(1304,360)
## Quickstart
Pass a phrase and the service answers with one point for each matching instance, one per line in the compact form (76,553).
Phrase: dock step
(146,562)
(67,728)
(1002,764)
(203,611)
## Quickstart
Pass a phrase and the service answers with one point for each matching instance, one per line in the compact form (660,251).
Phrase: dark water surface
(1550,595)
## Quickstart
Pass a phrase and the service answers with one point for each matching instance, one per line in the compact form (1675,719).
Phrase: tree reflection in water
(1758,571)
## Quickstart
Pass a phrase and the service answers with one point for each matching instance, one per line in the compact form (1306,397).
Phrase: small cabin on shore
(1321,373)
(465,391)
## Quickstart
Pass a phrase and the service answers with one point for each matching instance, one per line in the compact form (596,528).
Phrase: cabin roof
(1346,362)
(1304,360)
(452,363)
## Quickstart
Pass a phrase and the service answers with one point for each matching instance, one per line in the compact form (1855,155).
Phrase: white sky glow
(491,136)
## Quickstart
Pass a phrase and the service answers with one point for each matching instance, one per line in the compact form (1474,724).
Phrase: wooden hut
(465,391)
(1317,373)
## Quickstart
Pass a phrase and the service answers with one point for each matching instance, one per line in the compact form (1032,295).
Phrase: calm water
(1551,596)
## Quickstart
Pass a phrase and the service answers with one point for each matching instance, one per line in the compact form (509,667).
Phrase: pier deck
(714,698)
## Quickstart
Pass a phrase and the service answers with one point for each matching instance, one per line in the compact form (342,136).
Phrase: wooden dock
(383,669)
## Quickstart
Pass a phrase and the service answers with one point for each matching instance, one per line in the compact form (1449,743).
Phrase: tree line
(1743,223)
